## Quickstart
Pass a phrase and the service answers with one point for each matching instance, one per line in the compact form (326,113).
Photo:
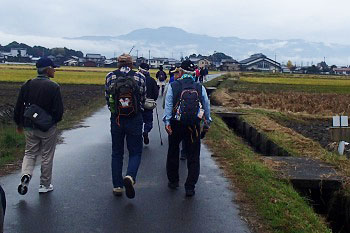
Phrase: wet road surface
(82,200)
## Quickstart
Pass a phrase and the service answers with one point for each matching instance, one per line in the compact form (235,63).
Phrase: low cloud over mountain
(170,41)
(175,42)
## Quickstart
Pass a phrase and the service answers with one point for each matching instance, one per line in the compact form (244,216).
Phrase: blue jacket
(169,103)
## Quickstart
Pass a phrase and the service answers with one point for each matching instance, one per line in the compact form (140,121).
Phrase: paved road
(83,202)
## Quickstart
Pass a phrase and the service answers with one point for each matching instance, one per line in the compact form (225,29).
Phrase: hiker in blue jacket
(186,105)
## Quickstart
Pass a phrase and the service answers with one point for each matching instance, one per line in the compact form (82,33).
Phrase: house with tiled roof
(229,65)
(259,62)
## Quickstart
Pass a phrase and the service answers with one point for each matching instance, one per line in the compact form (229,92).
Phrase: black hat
(188,66)
(45,62)
(144,66)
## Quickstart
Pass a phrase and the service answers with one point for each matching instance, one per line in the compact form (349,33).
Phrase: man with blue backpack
(186,106)
(125,96)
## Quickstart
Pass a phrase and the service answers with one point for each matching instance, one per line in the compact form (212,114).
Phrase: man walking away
(161,77)
(151,95)
(206,72)
(176,73)
(125,95)
(39,100)
(186,104)
(201,75)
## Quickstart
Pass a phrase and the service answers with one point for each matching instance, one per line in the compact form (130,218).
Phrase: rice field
(309,94)
(64,75)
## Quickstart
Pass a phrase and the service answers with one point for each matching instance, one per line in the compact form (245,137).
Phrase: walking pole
(160,134)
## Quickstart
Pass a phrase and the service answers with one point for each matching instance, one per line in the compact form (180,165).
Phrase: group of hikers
(131,98)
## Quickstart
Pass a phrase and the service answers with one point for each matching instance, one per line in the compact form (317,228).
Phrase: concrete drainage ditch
(317,181)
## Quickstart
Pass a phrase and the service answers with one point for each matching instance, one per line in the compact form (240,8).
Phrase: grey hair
(42,70)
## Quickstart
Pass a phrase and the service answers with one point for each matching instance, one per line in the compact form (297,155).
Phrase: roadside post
(340,132)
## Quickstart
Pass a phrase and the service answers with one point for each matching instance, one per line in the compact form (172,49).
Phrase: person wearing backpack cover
(161,77)
(186,104)
(152,94)
(125,95)
(45,94)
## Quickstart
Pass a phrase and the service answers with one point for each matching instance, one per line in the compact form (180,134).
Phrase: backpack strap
(176,86)
(26,93)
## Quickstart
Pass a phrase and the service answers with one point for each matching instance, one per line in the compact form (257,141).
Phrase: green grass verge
(11,144)
(280,206)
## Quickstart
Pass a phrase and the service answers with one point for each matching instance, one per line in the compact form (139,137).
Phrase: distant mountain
(170,41)
(96,38)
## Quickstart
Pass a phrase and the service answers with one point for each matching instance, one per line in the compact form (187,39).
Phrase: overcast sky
(314,20)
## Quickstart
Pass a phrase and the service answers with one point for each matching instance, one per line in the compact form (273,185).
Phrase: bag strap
(26,94)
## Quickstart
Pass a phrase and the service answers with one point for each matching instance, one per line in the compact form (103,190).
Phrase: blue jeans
(131,128)
(147,120)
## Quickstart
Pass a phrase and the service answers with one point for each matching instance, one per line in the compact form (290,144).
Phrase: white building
(157,61)
(15,52)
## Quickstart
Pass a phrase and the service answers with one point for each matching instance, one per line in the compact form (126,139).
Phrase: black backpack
(188,99)
(126,94)
(161,76)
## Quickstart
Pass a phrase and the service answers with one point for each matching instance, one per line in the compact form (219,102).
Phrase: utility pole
(149,57)
(137,53)
(275,63)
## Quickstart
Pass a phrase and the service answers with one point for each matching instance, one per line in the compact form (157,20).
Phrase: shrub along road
(83,201)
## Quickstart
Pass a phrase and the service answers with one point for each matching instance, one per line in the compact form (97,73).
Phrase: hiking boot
(129,187)
(173,185)
(23,186)
(118,191)
(190,192)
(44,189)
(145,138)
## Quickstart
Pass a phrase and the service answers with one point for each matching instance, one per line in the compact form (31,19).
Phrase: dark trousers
(147,116)
(190,136)
(131,129)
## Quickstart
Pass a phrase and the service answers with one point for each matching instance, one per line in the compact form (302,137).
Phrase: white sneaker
(118,191)
(23,186)
(44,189)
